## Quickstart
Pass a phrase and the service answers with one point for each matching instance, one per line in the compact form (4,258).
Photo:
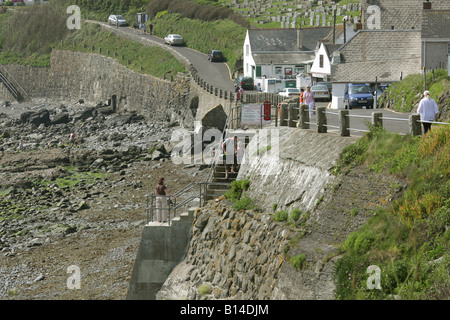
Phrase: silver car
(174,39)
(321,92)
(117,20)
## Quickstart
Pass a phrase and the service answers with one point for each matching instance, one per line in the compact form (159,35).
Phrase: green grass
(403,96)
(204,36)
(143,59)
(404,238)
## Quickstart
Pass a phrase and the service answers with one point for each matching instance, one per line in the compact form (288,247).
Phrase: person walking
(151,28)
(428,110)
(161,193)
(300,98)
(308,98)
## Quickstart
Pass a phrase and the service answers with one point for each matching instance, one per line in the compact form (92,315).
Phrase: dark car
(359,95)
(215,55)
(245,82)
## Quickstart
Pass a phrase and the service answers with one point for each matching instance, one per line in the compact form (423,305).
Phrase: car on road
(358,95)
(290,93)
(216,55)
(326,84)
(246,83)
(174,40)
(321,92)
(117,19)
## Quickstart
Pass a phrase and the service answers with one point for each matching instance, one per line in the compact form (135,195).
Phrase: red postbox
(267,110)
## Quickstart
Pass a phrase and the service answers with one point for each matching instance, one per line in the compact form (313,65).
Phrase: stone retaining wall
(232,254)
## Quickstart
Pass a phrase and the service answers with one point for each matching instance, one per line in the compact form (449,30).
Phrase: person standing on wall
(428,110)
(308,98)
(229,146)
(161,193)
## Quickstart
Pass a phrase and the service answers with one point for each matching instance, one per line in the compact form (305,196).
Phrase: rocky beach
(77,202)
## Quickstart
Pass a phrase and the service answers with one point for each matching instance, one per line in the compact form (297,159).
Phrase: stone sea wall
(232,255)
(95,78)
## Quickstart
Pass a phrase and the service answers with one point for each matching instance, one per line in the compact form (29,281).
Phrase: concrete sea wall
(95,78)
(241,254)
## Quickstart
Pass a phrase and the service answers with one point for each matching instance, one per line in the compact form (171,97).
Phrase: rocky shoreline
(80,202)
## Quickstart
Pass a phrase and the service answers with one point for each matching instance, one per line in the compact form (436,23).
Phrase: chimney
(358,25)
(427,5)
(299,39)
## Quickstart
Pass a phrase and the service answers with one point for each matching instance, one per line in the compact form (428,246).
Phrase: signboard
(252,114)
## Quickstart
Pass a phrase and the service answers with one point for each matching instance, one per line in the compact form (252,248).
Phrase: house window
(321,61)
(299,69)
(287,71)
(258,71)
(247,50)
(277,70)
(448,48)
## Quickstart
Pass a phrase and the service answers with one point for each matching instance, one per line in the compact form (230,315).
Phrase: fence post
(304,117)
(415,127)
(377,120)
(344,123)
(321,120)
(283,114)
(293,114)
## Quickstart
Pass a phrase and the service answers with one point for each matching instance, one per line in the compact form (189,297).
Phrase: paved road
(215,73)
(359,117)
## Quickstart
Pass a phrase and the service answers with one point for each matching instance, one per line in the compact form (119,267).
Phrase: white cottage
(275,58)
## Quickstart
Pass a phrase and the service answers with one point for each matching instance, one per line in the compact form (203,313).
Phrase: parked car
(216,55)
(290,92)
(358,95)
(174,39)
(321,92)
(116,19)
(245,82)
(326,84)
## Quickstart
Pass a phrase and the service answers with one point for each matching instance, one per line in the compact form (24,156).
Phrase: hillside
(405,95)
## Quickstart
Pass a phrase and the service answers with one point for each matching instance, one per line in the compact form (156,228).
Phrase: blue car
(358,95)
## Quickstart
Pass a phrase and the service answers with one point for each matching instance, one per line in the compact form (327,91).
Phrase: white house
(275,58)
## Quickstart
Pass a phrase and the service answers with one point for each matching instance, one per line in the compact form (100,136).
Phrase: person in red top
(301,95)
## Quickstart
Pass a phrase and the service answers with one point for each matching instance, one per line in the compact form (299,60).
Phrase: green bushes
(143,59)
(409,240)
(298,261)
(235,195)
(203,36)
(403,96)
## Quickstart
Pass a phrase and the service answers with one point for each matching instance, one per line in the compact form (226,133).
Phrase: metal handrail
(17,83)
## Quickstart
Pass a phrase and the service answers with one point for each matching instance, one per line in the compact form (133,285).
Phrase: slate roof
(378,53)
(282,58)
(436,24)
(279,40)
(403,14)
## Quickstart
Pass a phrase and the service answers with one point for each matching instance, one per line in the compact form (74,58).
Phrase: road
(217,74)
(359,117)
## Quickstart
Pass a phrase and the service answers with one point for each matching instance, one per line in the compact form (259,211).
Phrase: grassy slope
(405,95)
(153,60)
(409,242)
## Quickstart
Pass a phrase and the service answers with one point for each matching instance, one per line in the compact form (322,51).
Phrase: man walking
(428,110)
